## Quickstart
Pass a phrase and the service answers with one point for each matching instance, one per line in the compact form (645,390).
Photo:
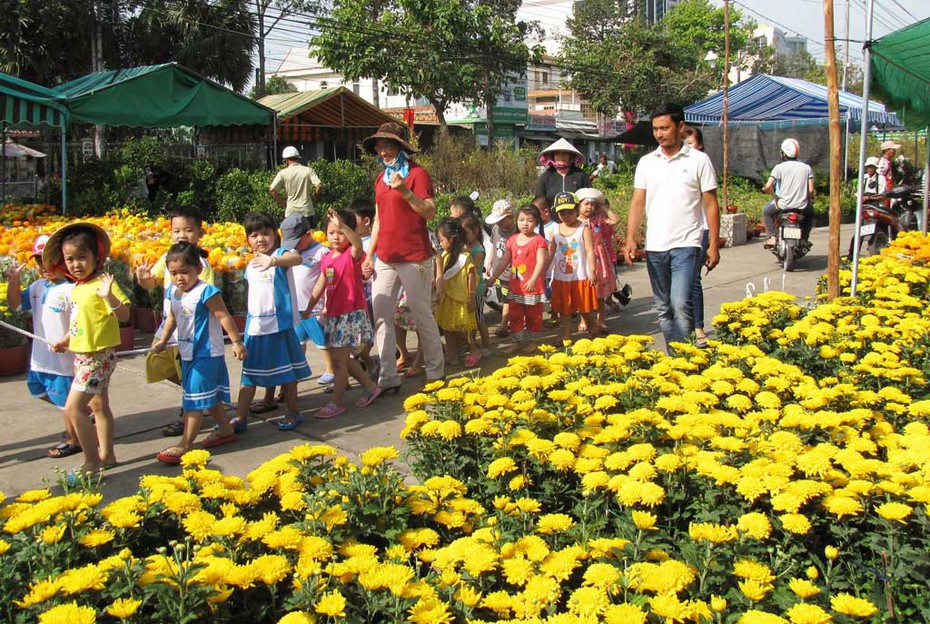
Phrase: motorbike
(789,246)
(880,224)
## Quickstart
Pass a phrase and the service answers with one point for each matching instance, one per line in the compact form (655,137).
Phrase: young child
(593,213)
(98,306)
(502,227)
(462,205)
(345,319)
(364,211)
(50,374)
(456,284)
(526,256)
(186,226)
(274,356)
(573,276)
(549,228)
(196,310)
(474,242)
(296,236)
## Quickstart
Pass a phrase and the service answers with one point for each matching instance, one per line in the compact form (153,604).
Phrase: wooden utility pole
(833,101)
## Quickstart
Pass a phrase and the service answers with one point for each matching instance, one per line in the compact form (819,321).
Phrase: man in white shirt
(295,180)
(791,184)
(675,187)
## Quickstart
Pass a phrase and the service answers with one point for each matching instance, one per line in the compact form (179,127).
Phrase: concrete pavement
(141,409)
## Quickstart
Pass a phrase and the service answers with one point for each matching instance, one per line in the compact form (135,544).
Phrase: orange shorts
(575,296)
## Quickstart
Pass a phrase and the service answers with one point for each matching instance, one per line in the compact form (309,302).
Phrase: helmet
(871,161)
(290,152)
(790,148)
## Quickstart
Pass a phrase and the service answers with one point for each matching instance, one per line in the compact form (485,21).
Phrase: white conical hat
(562,145)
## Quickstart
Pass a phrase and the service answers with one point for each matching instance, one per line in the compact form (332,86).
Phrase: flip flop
(173,429)
(369,396)
(214,440)
(262,406)
(330,410)
(413,371)
(63,449)
(170,458)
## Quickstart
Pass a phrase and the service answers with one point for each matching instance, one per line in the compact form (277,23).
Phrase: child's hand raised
(106,284)
(144,272)
(333,216)
(14,271)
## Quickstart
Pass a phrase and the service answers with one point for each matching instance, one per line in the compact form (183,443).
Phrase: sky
(805,17)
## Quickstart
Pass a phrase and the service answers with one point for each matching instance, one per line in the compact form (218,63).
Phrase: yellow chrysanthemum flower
(332,604)
(803,588)
(852,606)
(804,613)
(124,608)
(69,613)
(894,512)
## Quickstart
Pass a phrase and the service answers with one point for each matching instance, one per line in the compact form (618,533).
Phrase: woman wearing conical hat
(563,171)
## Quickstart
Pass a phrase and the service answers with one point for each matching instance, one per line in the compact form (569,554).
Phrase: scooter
(880,224)
(789,246)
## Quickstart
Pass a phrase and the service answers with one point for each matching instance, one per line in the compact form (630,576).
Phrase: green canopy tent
(159,96)
(25,104)
(901,66)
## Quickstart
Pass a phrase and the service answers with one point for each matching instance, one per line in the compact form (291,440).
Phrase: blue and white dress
(274,356)
(50,373)
(204,377)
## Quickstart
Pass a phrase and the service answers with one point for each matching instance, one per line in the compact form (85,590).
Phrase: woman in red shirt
(401,254)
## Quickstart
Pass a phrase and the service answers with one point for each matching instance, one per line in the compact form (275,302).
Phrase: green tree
(49,41)
(215,38)
(274,85)
(617,61)
(442,50)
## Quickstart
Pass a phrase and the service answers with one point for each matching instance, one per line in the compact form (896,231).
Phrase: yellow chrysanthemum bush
(136,239)
(764,479)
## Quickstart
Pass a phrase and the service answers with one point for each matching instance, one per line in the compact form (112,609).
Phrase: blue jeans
(697,293)
(671,274)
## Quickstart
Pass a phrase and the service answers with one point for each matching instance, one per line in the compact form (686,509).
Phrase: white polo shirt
(674,201)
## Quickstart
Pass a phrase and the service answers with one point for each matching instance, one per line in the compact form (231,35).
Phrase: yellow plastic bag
(162,366)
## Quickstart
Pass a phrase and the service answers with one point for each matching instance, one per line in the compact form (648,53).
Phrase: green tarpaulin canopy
(159,96)
(901,65)
(23,103)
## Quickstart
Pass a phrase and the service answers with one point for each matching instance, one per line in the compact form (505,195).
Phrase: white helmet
(871,161)
(290,152)
(790,148)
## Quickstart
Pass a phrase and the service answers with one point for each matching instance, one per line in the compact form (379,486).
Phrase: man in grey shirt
(791,183)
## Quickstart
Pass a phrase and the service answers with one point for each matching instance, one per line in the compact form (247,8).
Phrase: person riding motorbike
(871,181)
(791,183)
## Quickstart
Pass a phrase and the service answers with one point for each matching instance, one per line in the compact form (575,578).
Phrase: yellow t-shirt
(159,271)
(93,325)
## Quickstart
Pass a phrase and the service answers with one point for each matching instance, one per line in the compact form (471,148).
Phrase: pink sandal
(472,359)
(330,410)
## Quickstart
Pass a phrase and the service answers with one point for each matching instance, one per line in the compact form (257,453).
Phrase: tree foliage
(274,85)
(617,61)
(442,50)
(49,41)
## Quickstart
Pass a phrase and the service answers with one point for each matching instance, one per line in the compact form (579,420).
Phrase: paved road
(142,409)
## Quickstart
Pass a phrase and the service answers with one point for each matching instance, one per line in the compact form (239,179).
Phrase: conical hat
(562,145)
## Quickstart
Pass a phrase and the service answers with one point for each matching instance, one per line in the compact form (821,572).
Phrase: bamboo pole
(726,103)
(833,101)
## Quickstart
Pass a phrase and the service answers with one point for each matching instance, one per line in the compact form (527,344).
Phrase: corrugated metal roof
(336,107)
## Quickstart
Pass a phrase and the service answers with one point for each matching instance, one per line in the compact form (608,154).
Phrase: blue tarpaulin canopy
(764,99)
